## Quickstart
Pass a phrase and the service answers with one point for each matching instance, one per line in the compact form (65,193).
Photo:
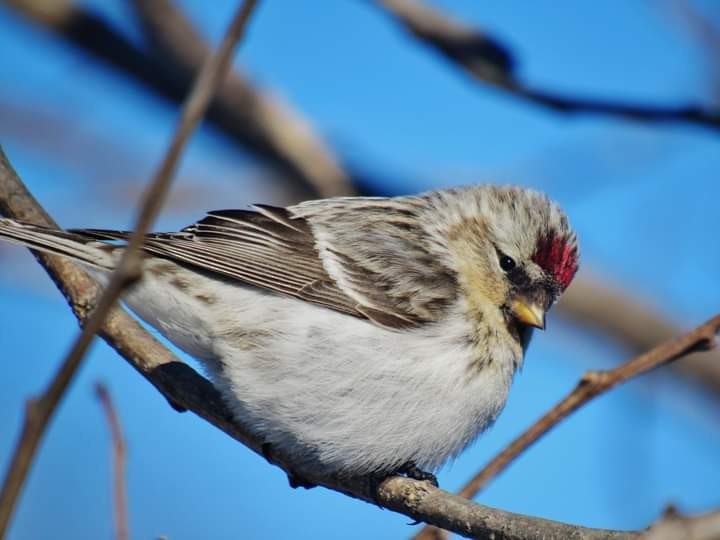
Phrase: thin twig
(486,60)
(39,410)
(620,314)
(119,458)
(592,384)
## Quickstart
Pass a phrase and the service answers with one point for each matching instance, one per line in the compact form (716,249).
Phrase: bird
(358,335)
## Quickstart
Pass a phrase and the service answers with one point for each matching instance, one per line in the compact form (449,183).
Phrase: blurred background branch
(490,62)
(259,122)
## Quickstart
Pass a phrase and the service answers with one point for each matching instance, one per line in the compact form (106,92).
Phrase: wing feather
(278,249)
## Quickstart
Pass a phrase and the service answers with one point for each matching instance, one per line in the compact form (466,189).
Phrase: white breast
(335,391)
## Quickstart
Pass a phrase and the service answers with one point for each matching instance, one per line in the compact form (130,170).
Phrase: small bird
(361,336)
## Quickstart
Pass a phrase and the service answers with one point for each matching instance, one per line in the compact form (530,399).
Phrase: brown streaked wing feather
(267,249)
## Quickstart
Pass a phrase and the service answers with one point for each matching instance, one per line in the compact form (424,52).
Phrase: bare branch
(487,61)
(119,455)
(621,315)
(40,410)
(464,517)
(592,384)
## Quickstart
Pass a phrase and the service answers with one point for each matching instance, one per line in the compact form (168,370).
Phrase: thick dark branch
(259,122)
(487,61)
(39,410)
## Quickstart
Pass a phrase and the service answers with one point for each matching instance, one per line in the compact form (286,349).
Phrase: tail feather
(76,246)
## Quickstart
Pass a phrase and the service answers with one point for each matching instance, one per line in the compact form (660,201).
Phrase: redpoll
(357,335)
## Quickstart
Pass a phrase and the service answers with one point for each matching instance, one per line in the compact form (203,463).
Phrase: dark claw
(266,449)
(411,471)
(297,481)
(175,405)
(294,479)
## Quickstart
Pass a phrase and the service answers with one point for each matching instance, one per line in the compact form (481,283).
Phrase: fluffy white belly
(331,390)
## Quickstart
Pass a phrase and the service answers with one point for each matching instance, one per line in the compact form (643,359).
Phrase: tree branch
(487,61)
(592,384)
(619,314)
(119,458)
(39,410)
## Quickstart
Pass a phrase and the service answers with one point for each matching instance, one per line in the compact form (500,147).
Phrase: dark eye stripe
(519,277)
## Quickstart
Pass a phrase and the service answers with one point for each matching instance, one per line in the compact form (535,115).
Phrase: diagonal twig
(119,458)
(489,62)
(622,315)
(39,410)
(592,384)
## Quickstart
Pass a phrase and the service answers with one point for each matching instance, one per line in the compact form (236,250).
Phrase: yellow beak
(528,313)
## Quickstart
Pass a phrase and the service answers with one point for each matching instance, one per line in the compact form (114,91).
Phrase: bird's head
(513,252)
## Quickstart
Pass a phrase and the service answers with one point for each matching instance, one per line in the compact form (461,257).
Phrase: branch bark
(40,410)
(673,526)
(184,388)
(486,60)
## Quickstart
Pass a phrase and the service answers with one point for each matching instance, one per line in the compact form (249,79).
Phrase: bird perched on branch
(360,336)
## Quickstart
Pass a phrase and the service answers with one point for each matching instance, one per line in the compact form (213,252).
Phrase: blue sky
(643,198)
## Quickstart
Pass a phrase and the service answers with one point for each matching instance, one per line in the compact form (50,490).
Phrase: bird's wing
(271,248)
(380,252)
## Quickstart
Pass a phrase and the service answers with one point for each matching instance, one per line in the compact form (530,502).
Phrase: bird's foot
(294,479)
(175,405)
(411,470)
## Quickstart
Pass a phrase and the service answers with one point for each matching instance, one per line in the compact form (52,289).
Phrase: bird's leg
(411,470)
(294,479)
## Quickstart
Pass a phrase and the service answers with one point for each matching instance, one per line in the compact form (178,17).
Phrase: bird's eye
(506,263)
